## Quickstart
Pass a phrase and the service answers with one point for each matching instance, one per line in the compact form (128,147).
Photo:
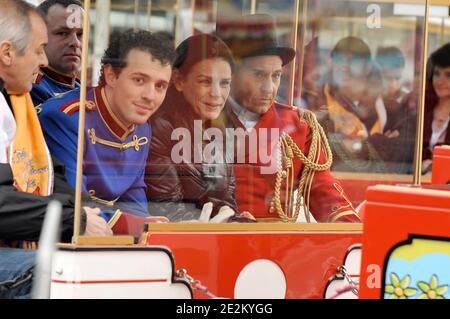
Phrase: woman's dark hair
(198,48)
(439,58)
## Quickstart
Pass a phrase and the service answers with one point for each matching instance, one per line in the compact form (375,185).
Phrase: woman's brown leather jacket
(177,189)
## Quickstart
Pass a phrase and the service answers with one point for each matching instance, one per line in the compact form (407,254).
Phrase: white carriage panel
(120,291)
(111,265)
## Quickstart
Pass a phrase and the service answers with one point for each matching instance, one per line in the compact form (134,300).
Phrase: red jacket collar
(108,116)
(59,77)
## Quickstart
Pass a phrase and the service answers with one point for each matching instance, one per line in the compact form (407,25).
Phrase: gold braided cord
(109,203)
(136,143)
(307,192)
(309,177)
(287,149)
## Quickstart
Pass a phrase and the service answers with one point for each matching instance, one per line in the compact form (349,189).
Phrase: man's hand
(96,225)
(248,215)
(392,134)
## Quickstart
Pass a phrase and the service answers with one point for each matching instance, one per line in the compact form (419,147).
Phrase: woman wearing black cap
(181,176)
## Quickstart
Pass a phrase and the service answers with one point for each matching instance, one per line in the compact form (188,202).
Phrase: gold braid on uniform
(287,149)
(136,143)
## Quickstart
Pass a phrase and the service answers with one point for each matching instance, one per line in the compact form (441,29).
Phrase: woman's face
(441,81)
(206,87)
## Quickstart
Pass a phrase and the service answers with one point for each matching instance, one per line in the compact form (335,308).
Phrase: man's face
(391,81)
(441,81)
(348,70)
(65,32)
(21,70)
(256,82)
(206,87)
(139,89)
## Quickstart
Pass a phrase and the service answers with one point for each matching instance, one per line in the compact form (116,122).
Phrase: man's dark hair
(121,43)
(47,4)
(390,58)
(354,46)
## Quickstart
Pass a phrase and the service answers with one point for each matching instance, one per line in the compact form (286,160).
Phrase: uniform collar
(59,77)
(248,118)
(116,127)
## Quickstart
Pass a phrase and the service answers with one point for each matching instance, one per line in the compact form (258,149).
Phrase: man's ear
(6,53)
(110,75)
(178,80)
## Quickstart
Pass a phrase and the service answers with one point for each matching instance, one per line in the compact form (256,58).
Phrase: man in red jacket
(284,148)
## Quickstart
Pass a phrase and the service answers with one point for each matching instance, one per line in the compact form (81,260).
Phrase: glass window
(239,131)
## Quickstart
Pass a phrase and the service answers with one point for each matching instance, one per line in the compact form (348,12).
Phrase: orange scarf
(29,156)
(348,123)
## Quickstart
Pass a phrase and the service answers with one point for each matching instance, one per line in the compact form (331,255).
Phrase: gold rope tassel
(287,149)
(136,143)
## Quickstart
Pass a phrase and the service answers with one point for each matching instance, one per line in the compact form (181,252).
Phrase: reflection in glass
(357,68)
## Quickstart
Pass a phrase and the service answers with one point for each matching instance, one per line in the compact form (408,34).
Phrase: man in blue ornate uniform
(65,31)
(136,71)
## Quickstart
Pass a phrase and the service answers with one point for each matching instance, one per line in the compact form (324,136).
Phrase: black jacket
(397,153)
(22,214)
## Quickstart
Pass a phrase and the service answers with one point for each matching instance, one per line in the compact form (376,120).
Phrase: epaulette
(38,78)
(306,116)
(286,107)
(73,106)
(294,108)
(310,118)
(300,111)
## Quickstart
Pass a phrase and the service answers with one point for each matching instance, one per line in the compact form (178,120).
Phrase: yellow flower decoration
(432,290)
(399,288)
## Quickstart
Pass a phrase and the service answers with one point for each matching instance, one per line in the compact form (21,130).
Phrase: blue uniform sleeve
(61,135)
(134,202)
(39,95)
